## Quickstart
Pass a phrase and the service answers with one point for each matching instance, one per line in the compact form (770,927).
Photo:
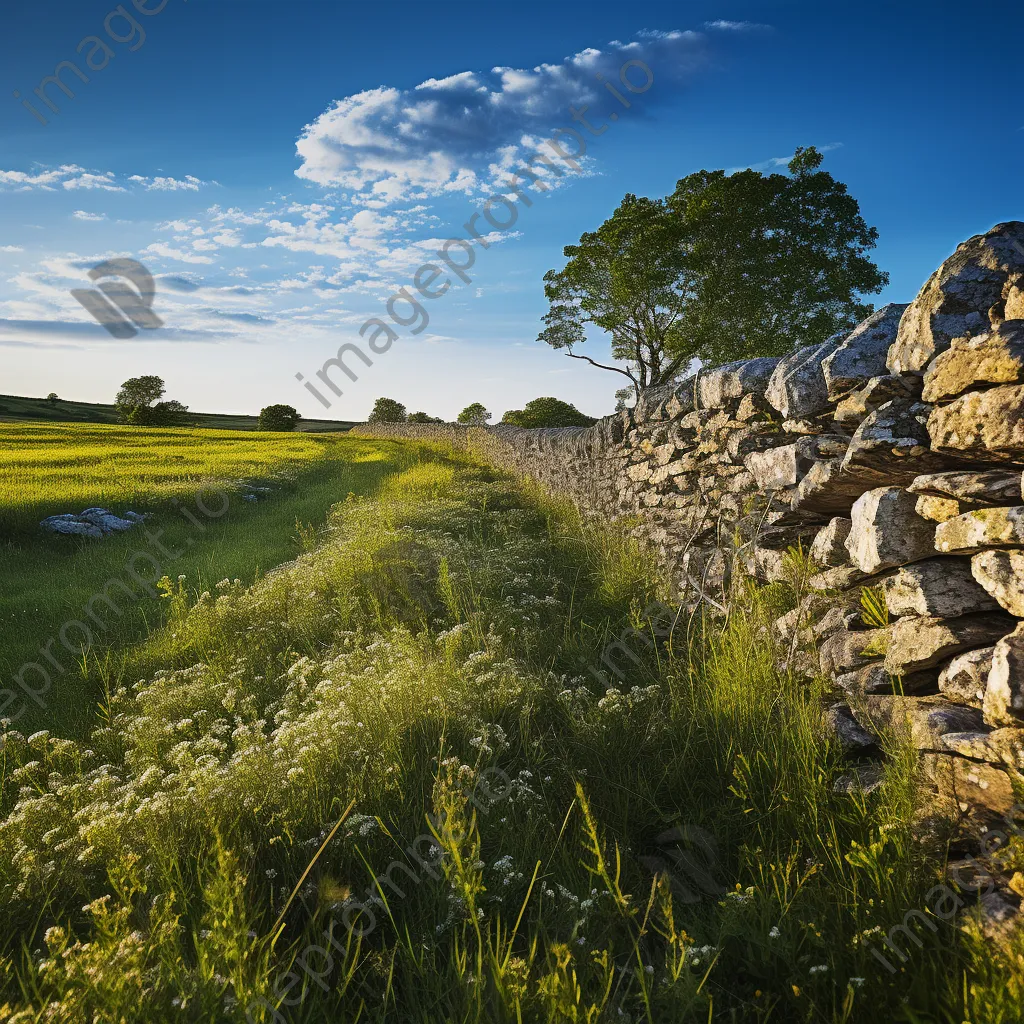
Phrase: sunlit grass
(188,861)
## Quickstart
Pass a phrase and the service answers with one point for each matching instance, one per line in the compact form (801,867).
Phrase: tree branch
(601,366)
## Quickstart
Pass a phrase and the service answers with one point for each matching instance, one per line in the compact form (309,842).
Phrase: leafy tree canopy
(422,417)
(387,410)
(278,417)
(53,398)
(474,415)
(729,266)
(547,412)
(137,404)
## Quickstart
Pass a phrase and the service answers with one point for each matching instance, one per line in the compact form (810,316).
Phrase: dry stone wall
(893,454)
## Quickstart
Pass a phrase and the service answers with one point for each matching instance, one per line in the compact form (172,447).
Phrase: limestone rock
(830,489)
(874,679)
(937,510)
(785,465)
(927,718)
(965,677)
(1004,745)
(977,288)
(718,387)
(988,425)
(887,531)
(1004,694)
(894,432)
(919,643)
(862,354)
(996,357)
(844,651)
(93,522)
(829,546)
(940,587)
(966,786)
(797,388)
(1001,573)
(982,528)
(987,487)
(876,392)
(852,736)
(863,779)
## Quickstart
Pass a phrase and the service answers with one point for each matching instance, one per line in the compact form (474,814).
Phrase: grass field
(49,580)
(398,781)
(14,408)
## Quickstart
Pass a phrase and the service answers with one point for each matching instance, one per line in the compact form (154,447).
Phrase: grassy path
(457,764)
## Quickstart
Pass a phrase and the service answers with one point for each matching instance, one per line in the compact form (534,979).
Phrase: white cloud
(189,184)
(737,26)
(169,252)
(389,144)
(83,215)
(11,248)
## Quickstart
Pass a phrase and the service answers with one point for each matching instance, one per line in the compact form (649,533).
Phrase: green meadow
(403,778)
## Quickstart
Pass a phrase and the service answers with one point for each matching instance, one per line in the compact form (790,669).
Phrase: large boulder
(942,587)
(982,528)
(1001,573)
(993,358)
(887,530)
(988,425)
(797,388)
(976,289)
(863,353)
(1004,694)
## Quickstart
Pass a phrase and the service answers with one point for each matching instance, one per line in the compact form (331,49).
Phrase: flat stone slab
(982,528)
(927,718)
(919,643)
(984,487)
(862,354)
(996,357)
(987,425)
(937,587)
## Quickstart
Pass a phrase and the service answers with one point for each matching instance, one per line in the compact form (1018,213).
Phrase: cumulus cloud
(388,143)
(84,215)
(11,248)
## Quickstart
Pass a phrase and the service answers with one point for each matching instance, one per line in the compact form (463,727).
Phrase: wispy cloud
(779,161)
(11,248)
(444,134)
(84,215)
(737,26)
(71,177)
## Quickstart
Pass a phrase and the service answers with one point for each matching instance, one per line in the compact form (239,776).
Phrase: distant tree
(138,404)
(727,267)
(422,417)
(547,412)
(278,417)
(622,397)
(474,415)
(53,398)
(387,410)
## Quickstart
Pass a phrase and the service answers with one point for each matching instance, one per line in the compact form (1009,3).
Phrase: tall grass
(282,820)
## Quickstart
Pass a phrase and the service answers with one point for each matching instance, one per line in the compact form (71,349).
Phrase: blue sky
(282,169)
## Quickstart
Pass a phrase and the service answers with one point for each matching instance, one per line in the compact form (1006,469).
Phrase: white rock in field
(93,522)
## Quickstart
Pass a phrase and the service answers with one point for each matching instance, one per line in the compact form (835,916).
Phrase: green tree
(422,417)
(387,410)
(138,404)
(53,398)
(547,412)
(278,417)
(474,415)
(729,266)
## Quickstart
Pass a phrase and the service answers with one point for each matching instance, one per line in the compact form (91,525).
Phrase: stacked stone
(894,455)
